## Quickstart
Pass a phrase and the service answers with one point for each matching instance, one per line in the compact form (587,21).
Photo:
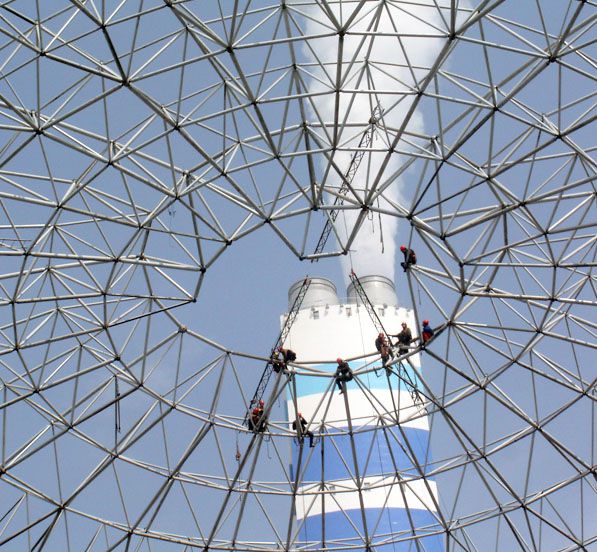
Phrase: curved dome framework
(141,139)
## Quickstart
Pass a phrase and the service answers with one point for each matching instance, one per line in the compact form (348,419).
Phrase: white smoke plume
(393,67)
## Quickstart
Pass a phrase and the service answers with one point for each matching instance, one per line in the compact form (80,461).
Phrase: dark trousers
(308,434)
(342,380)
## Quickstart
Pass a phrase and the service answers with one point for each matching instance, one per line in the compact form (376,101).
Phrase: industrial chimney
(360,489)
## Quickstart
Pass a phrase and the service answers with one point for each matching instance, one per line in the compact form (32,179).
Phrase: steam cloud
(394,69)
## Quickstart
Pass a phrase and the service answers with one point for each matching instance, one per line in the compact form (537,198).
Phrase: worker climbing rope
(410,258)
(302,430)
(343,375)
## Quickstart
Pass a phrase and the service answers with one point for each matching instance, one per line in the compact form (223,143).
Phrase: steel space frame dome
(145,143)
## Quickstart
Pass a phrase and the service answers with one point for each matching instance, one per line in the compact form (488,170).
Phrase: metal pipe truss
(143,141)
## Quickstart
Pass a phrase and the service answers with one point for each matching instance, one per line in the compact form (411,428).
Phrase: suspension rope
(116,408)
(238,454)
(380,229)
(383,475)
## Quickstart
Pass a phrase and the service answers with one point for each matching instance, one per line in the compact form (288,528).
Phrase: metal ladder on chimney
(349,175)
(402,372)
(269,367)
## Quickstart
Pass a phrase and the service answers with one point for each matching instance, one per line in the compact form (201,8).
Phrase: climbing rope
(380,229)
(383,475)
(238,455)
(116,408)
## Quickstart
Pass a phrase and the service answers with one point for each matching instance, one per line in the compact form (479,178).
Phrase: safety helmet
(403,248)
(425,322)
(339,360)
(261,403)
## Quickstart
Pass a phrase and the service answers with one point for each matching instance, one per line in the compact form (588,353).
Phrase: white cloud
(395,66)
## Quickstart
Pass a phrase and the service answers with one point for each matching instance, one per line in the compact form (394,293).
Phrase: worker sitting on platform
(303,430)
(405,338)
(343,374)
(258,420)
(383,348)
(427,331)
(409,257)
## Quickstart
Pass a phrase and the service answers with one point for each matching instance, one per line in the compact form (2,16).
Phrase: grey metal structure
(142,141)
